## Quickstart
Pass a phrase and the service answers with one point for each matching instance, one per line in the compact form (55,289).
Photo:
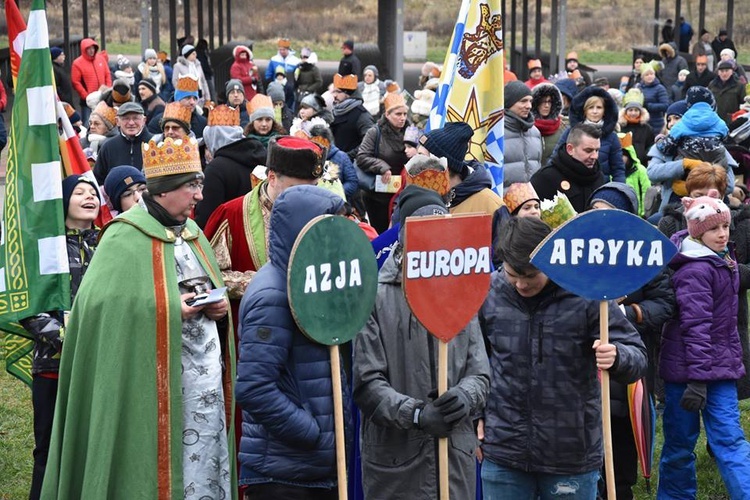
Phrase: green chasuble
(117,432)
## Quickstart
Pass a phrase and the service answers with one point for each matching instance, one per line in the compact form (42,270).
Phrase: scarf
(160,213)
(513,121)
(598,124)
(343,108)
(548,126)
(633,121)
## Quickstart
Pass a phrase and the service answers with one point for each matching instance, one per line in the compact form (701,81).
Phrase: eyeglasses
(130,117)
(194,186)
(131,192)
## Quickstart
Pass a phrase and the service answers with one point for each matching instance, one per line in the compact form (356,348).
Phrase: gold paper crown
(284,43)
(171,157)
(187,83)
(392,101)
(519,193)
(224,115)
(392,87)
(320,141)
(345,82)
(174,111)
(257,102)
(107,113)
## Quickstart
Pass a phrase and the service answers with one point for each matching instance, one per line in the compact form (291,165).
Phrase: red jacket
(88,74)
(245,71)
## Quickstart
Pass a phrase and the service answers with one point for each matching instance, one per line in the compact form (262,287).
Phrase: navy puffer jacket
(283,378)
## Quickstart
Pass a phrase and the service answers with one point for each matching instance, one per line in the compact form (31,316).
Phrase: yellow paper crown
(223,115)
(257,102)
(345,82)
(187,83)
(392,101)
(108,114)
(519,193)
(177,112)
(171,157)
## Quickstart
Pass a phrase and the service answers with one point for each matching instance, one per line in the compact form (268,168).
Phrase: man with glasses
(146,393)
(185,95)
(123,148)
(700,76)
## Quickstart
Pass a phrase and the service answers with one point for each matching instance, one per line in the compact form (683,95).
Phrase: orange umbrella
(643,421)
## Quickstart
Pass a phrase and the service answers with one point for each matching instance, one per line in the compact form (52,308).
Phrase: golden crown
(171,157)
(345,82)
(224,115)
(259,101)
(187,83)
(393,101)
(178,112)
(107,113)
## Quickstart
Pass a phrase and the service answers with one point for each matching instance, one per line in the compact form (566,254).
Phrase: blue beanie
(677,108)
(118,180)
(69,184)
(617,195)
(450,142)
(696,93)
(55,52)
(567,87)
(180,94)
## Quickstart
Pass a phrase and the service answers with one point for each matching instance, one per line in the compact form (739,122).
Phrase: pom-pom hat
(705,213)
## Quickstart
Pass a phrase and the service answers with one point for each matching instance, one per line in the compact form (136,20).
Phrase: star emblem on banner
(472,116)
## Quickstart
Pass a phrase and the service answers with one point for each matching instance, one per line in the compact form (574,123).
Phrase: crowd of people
(147,389)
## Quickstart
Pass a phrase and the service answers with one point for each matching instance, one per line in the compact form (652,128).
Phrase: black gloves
(694,397)
(432,421)
(454,404)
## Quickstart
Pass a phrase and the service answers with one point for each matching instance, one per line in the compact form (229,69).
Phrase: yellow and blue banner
(471,84)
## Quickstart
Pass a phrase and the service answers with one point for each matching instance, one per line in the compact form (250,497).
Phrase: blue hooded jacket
(283,378)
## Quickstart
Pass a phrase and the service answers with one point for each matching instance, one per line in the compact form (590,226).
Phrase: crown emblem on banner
(224,115)
(187,83)
(176,111)
(171,157)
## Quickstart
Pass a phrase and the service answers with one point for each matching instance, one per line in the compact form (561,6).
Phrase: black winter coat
(543,413)
(120,150)
(47,328)
(569,176)
(228,175)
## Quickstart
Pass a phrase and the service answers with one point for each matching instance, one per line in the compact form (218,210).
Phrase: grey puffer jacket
(544,410)
(523,149)
(395,369)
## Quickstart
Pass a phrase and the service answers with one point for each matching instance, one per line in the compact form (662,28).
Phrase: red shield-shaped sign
(447,265)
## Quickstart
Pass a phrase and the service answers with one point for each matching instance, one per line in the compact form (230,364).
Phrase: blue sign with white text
(603,254)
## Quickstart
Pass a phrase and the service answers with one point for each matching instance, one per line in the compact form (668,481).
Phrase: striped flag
(34,274)
(471,84)
(16,36)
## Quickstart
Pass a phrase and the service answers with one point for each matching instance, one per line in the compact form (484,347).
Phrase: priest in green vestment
(146,380)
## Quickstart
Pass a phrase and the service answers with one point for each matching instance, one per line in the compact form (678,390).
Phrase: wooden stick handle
(443,442)
(609,464)
(338,415)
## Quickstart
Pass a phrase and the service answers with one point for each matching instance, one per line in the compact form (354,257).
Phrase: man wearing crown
(123,148)
(238,229)
(146,389)
(351,120)
(186,95)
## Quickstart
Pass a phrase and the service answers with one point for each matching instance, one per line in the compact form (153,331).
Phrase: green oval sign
(332,279)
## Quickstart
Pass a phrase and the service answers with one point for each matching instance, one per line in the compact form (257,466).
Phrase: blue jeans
(721,418)
(504,483)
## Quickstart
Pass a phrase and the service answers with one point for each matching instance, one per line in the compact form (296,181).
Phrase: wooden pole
(443,442)
(609,467)
(338,415)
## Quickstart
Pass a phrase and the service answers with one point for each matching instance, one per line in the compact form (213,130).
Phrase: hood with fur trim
(645,117)
(610,108)
(667,50)
(546,90)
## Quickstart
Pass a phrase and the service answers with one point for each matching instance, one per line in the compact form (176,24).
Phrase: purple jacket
(702,344)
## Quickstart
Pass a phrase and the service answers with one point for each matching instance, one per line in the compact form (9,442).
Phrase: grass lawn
(17,443)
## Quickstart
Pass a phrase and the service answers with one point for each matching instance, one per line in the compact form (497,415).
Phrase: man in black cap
(721,42)
(124,148)
(349,63)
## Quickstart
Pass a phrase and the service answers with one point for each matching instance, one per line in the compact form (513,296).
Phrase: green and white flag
(34,274)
